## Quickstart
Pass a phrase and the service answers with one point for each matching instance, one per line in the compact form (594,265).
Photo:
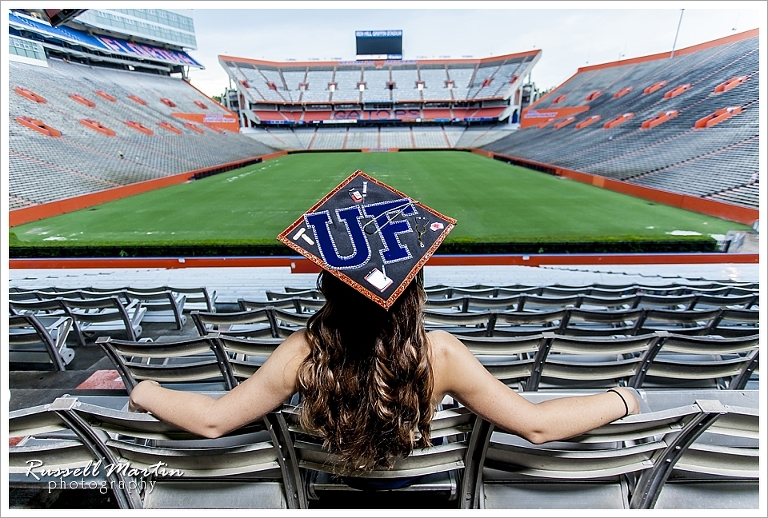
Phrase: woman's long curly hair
(367,383)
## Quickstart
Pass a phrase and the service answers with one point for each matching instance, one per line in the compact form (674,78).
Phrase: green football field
(493,202)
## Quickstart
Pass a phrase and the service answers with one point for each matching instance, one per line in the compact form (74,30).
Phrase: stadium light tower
(676,33)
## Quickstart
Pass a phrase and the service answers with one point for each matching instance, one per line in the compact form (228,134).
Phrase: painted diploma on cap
(370,236)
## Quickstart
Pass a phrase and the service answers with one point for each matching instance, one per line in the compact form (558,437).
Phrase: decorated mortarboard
(369,235)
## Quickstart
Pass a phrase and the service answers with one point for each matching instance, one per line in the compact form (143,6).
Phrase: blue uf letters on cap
(370,236)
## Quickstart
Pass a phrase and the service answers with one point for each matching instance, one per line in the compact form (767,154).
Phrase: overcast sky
(571,35)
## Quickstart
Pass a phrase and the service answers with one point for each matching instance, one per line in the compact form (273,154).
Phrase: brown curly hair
(367,383)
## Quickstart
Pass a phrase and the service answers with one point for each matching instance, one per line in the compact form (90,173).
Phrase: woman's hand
(137,393)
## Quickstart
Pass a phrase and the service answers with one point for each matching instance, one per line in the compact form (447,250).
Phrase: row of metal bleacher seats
(398,138)
(194,297)
(584,322)
(597,289)
(39,341)
(499,317)
(227,352)
(748,194)
(329,139)
(712,308)
(533,302)
(98,314)
(690,446)
(500,470)
(106,311)
(695,448)
(40,320)
(474,137)
(623,336)
(145,463)
(359,138)
(699,310)
(712,347)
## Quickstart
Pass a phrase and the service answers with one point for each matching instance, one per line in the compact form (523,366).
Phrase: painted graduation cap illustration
(369,235)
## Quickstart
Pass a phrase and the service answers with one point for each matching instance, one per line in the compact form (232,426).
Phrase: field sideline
(493,202)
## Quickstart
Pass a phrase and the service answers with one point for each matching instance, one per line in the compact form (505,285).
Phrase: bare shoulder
(279,373)
(443,345)
(296,346)
(447,353)
(290,353)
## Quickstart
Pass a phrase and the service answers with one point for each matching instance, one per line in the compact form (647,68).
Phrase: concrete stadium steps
(748,195)
(727,169)
(418,137)
(430,137)
(474,137)
(397,138)
(359,138)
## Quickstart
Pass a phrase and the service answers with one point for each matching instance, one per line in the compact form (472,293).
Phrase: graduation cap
(369,235)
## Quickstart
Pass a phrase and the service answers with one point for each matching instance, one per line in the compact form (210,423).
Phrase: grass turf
(493,202)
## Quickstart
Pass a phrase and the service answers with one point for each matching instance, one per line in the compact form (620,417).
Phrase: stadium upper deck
(294,93)
(150,40)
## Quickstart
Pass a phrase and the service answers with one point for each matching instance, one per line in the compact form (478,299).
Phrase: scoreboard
(379,44)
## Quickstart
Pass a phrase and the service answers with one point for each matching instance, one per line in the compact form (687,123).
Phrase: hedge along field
(493,202)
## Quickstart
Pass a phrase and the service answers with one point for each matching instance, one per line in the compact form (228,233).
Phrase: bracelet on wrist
(626,407)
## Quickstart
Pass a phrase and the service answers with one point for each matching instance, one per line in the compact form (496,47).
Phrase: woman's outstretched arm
(272,384)
(458,373)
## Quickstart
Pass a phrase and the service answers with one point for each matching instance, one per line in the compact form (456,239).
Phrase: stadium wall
(55,208)
(223,123)
(301,265)
(533,117)
(727,211)
(217,121)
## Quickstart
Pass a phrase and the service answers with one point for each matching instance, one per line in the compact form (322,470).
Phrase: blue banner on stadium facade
(105,43)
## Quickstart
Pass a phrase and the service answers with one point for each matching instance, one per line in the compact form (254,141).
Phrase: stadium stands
(359,138)
(357,84)
(716,162)
(82,161)
(438,102)
(396,138)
